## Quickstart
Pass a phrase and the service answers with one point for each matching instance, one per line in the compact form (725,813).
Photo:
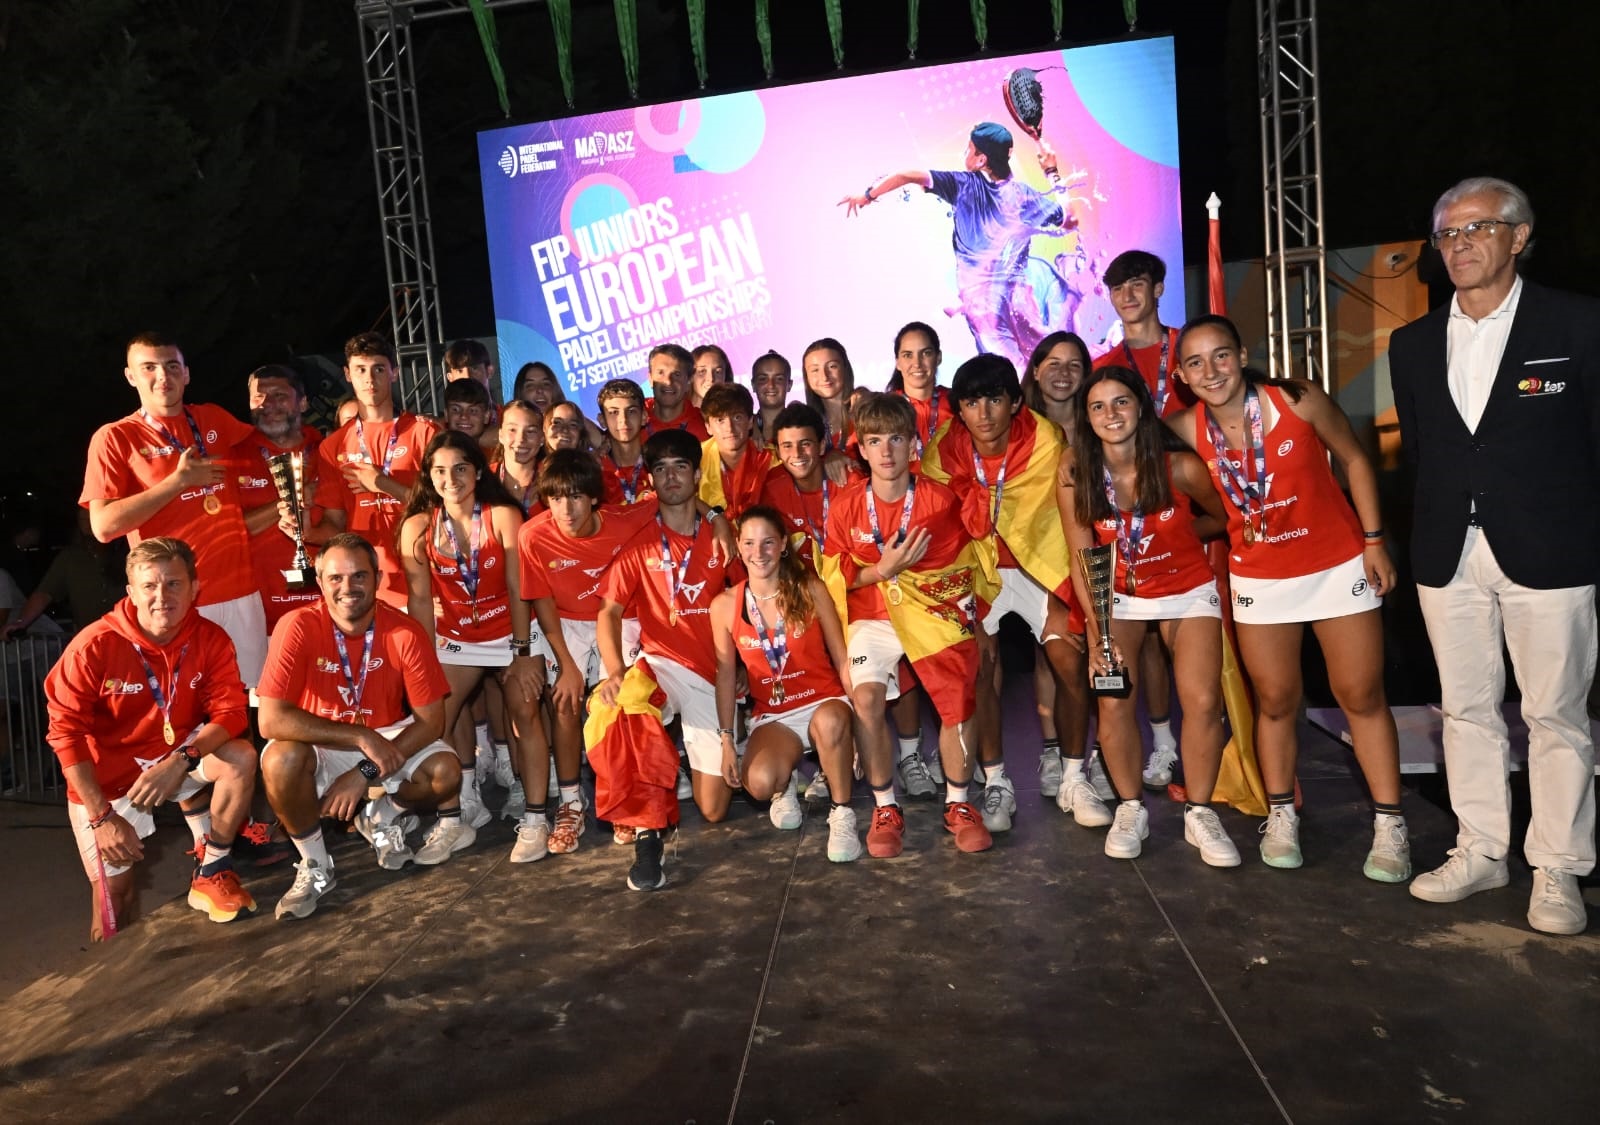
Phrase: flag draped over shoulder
(740,488)
(1028,519)
(635,763)
(937,622)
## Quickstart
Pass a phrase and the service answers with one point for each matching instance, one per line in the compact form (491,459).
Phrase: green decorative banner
(1130,11)
(913,17)
(561,26)
(1055,17)
(697,37)
(628,37)
(764,36)
(833,8)
(980,23)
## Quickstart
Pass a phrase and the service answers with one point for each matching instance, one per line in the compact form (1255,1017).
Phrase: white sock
(469,781)
(199,823)
(884,796)
(481,733)
(312,847)
(1161,736)
(383,810)
(910,747)
(954,794)
(531,818)
(1074,767)
(994,773)
(570,794)
(1387,820)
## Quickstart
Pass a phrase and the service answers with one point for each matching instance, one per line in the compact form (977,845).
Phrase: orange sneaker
(255,845)
(885,836)
(568,827)
(963,821)
(221,896)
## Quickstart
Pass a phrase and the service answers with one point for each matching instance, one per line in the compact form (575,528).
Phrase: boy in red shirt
(146,706)
(340,678)
(909,553)
(797,486)
(622,416)
(732,467)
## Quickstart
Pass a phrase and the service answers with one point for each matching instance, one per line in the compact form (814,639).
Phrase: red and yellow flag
(635,763)
(738,488)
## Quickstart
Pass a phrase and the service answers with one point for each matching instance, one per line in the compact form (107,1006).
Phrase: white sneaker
(1280,838)
(1129,831)
(915,780)
(817,794)
(1096,771)
(504,776)
(1078,797)
(1050,773)
(844,845)
(785,811)
(448,836)
(1389,861)
(388,840)
(1158,772)
(533,841)
(685,786)
(1203,828)
(1556,906)
(999,803)
(516,801)
(311,882)
(474,813)
(1462,875)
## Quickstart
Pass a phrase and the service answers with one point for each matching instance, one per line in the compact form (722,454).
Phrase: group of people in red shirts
(501,597)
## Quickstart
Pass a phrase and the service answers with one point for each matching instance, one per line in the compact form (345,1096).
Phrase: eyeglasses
(1473,232)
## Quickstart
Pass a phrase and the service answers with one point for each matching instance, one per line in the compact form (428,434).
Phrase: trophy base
(300,578)
(1115,685)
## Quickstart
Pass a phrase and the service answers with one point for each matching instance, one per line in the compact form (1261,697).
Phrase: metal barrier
(28,767)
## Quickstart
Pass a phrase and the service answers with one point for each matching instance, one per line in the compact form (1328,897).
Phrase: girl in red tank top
(1287,521)
(781,626)
(458,543)
(1127,492)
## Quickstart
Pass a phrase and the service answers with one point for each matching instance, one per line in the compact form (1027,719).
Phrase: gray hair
(1514,205)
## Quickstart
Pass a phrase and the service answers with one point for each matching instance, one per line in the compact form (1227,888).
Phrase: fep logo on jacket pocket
(1531,387)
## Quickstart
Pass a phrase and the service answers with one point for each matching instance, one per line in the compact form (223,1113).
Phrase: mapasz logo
(1535,386)
(603,144)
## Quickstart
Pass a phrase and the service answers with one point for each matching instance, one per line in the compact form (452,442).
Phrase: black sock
(450,814)
(1281,798)
(1387,810)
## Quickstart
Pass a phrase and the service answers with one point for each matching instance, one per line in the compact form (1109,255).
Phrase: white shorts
(245,622)
(474,654)
(693,699)
(1336,592)
(333,762)
(142,820)
(1202,601)
(1021,595)
(798,720)
(875,653)
(585,650)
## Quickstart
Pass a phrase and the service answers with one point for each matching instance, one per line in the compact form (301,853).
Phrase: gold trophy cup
(1099,565)
(289,478)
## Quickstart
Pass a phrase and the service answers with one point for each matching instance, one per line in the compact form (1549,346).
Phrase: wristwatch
(716,511)
(189,754)
(369,769)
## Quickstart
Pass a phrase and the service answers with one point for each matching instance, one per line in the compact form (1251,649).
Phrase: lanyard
(630,486)
(388,453)
(774,642)
(355,687)
(999,486)
(1130,533)
(167,436)
(817,533)
(525,501)
(466,570)
(905,514)
(675,576)
(1162,388)
(163,702)
(1236,483)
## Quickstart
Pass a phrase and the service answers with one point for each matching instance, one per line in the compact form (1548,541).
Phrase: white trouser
(1551,637)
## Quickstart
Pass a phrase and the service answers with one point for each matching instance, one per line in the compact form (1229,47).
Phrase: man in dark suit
(1498,395)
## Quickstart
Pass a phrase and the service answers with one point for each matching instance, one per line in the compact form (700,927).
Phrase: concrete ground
(1040,981)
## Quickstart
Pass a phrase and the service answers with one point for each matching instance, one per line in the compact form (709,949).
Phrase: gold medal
(474,615)
(895,596)
(167,732)
(212,504)
(672,618)
(777,692)
(1249,532)
(1133,583)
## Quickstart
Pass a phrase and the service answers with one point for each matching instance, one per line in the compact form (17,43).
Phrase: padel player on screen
(996,217)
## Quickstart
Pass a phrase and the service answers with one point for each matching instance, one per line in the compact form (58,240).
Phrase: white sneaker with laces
(533,841)
(999,804)
(1462,875)
(387,840)
(844,844)
(915,780)
(1389,861)
(311,882)
(1096,771)
(1129,831)
(448,836)
(1050,773)
(785,811)
(1556,906)
(1203,828)
(1280,838)
(1158,772)
(1078,797)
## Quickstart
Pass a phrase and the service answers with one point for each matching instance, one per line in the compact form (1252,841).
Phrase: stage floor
(1040,981)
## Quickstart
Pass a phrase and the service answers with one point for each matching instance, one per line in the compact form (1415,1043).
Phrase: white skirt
(1202,601)
(1338,591)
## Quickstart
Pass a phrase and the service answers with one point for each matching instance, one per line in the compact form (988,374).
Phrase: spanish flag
(738,488)
(635,763)
(1028,519)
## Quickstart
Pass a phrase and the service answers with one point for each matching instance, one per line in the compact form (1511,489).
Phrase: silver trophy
(289,477)
(1099,565)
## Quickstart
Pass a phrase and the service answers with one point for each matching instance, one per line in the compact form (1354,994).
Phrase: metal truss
(1291,178)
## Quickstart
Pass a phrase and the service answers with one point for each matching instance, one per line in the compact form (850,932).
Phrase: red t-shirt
(1147,362)
(849,534)
(808,675)
(375,516)
(555,565)
(689,419)
(271,551)
(1169,557)
(101,706)
(625,486)
(130,456)
(303,668)
(742,484)
(805,513)
(1309,525)
(638,581)
(932,412)
(452,607)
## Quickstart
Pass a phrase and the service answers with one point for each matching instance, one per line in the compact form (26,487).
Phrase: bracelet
(728,731)
(521,648)
(1376,535)
(96,822)
(369,769)
(868,194)
(1373,542)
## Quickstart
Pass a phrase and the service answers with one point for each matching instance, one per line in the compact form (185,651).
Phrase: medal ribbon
(1236,483)
(357,686)
(675,578)
(388,453)
(1130,532)
(816,533)
(774,643)
(999,486)
(630,487)
(163,702)
(466,568)
(1162,387)
(167,435)
(905,514)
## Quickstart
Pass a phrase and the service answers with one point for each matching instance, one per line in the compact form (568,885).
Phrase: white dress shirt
(1473,351)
